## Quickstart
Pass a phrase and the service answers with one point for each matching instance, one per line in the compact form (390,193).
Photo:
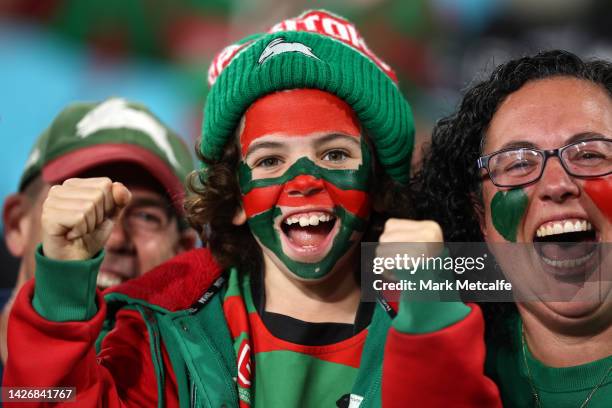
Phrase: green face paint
(507,210)
(341,193)
(270,238)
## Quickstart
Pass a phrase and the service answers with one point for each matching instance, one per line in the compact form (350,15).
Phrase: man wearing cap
(113,139)
(306,149)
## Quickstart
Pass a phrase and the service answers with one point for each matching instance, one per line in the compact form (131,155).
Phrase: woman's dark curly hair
(216,199)
(447,187)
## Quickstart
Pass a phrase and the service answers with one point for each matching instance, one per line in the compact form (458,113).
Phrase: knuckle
(54,190)
(434,231)
(90,207)
(81,219)
(390,225)
(99,196)
(105,182)
(70,181)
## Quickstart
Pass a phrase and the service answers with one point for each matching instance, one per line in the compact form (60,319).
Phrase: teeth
(562,227)
(568,263)
(106,281)
(308,219)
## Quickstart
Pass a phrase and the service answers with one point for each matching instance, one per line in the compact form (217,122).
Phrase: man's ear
(17,223)
(240,217)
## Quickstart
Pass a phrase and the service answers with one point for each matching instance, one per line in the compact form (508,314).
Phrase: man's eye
(268,162)
(149,219)
(335,155)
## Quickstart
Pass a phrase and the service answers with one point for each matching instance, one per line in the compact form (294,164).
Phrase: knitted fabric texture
(316,50)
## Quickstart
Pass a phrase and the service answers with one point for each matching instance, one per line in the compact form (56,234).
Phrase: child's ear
(240,217)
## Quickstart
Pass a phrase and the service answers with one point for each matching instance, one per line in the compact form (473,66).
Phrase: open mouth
(106,280)
(308,235)
(567,247)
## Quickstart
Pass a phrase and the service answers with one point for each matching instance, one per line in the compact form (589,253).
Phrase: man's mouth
(567,247)
(308,235)
(107,279)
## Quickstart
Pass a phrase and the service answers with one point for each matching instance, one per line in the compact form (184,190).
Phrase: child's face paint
(600,191)
(304,179)
(507,210)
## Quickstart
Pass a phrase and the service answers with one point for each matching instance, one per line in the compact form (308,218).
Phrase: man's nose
(556,185)
(304,185)
(120,239)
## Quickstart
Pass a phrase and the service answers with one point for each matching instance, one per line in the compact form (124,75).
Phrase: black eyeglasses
(515,167)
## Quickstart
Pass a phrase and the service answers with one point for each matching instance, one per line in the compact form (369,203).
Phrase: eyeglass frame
(483,161)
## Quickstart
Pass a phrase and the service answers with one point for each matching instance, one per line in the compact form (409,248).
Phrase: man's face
(304,177)
(559,208)
(145,235)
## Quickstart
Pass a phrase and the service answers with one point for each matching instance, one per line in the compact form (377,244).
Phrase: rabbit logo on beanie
(316,50)
(279,46)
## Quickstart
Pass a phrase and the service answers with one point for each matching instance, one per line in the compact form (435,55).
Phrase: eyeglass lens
(589,158)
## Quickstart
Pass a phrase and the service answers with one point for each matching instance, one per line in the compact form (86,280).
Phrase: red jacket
(440,369)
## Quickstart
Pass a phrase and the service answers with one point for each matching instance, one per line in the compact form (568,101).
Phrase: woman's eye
(589,156)
(268,162)
(335,155)
(523,165)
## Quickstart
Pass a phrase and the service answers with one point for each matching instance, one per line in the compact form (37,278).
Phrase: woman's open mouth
(307,236)
(568,248)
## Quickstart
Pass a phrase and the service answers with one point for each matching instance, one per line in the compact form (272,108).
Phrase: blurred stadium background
(157,51)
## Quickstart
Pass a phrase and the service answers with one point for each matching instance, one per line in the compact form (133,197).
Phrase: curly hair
(447,186)
(216,199)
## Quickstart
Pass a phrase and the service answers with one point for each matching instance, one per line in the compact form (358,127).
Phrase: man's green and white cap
(87,135)
(317,50)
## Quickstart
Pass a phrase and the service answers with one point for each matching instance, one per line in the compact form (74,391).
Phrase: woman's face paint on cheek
(507,210)
(308,251)
(600,191)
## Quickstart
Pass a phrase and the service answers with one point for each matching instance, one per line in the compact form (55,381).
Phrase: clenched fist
(78,217)
(411,238)
(401,230)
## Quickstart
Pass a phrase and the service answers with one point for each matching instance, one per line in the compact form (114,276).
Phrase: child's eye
(335,155)
(268,162)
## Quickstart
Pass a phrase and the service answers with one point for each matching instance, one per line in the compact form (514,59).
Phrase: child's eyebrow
(335,136)
(262,145)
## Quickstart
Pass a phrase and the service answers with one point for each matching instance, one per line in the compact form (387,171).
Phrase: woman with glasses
(527,159)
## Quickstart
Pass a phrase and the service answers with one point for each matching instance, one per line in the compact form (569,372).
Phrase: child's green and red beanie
(316,50)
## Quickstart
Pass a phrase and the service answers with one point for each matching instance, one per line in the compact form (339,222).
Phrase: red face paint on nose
(303,185)
(600,191)
(305,190)
(262,199)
